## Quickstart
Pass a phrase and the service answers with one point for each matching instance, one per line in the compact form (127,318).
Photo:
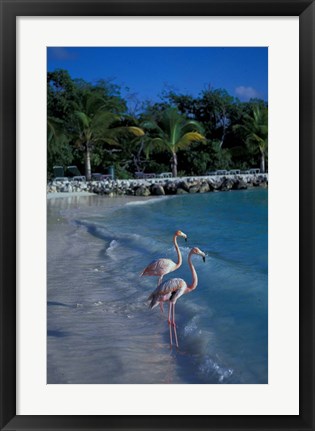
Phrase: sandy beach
(100,328)
(68,194)
(88,323)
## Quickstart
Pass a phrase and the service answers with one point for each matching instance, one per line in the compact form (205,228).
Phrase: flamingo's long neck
(194,282)
(179,255)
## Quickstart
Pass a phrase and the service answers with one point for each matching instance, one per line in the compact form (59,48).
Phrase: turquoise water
(222,326)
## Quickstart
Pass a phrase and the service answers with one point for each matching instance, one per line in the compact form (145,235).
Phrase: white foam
(209,366)
(112,247)
(191,326)
(150,200)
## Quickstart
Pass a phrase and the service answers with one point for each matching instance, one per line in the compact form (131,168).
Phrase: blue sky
(146,72)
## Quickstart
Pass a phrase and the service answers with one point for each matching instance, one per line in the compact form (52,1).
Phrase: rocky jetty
(159,187)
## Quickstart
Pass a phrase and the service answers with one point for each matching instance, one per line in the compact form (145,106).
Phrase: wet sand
(86,316)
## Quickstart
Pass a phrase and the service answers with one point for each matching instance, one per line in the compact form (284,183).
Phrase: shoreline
(53,195)
(93,289)
(86,199)
(81,301)
(82,204)
(157,186)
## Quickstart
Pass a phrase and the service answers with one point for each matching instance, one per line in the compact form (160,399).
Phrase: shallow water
(100,329)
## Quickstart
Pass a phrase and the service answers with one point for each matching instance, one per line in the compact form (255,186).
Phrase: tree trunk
(174,165)
(223,121)
(137,157)
(262,163)
(87,162)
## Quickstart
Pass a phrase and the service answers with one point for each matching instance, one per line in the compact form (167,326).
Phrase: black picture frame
(10,10)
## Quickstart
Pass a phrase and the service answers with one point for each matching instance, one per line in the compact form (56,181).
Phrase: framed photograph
(80,348)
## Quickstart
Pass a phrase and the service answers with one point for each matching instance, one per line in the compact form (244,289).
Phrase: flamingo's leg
(169,322)
(161,303)
(174,325)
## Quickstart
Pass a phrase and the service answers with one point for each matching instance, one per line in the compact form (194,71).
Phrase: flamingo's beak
(185,238)
(204,258)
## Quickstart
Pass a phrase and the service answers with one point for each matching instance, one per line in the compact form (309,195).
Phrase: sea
(100,329)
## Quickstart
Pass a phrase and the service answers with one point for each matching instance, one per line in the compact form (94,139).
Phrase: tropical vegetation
(92,126)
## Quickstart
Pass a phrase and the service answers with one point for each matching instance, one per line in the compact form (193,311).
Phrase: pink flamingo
(164,266)
(173,289)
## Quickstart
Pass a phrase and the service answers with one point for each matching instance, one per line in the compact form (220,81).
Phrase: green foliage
(122,173)
(194,162)
(58,149)
(254,129)
(90,125)
(91,117)
(220,157)
(172,133)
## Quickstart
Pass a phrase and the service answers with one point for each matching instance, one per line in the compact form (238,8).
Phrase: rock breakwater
(158,186)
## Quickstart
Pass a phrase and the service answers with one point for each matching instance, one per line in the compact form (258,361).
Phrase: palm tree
(172,133)
(256,130)
(54,130)
(97,125)
(58,148)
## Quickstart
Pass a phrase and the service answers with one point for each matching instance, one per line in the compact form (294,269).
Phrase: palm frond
(103,120)
(55,131)
(263,147)
(254,137)
(188,138)
(108,140)
(193,126)
(137,131)
(83,118)
(93,103)
(154,145)
(152,126)
(172,122)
